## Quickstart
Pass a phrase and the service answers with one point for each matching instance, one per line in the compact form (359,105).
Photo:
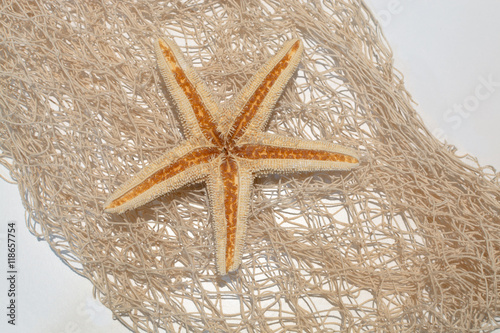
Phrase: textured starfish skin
(227,149)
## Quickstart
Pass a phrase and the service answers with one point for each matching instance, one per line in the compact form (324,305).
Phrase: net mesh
(408,241)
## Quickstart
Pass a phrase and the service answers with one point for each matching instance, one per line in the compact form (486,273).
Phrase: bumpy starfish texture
(227,149)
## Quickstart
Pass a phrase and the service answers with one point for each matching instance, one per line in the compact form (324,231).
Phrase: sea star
(227,149)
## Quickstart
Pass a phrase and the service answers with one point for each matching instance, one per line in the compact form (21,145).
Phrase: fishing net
(408,241)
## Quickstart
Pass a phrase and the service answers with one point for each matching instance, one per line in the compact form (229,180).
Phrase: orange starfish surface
(227,149)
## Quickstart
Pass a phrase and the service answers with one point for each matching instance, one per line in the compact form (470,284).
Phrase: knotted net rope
(408,241)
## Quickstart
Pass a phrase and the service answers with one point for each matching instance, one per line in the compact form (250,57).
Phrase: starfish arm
(229,188)
(256,100)
(182,165)
(196,106)
(268,153)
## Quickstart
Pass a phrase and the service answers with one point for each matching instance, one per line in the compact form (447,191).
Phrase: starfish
(226,147)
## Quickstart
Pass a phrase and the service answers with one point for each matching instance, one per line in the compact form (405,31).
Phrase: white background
(446,50)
